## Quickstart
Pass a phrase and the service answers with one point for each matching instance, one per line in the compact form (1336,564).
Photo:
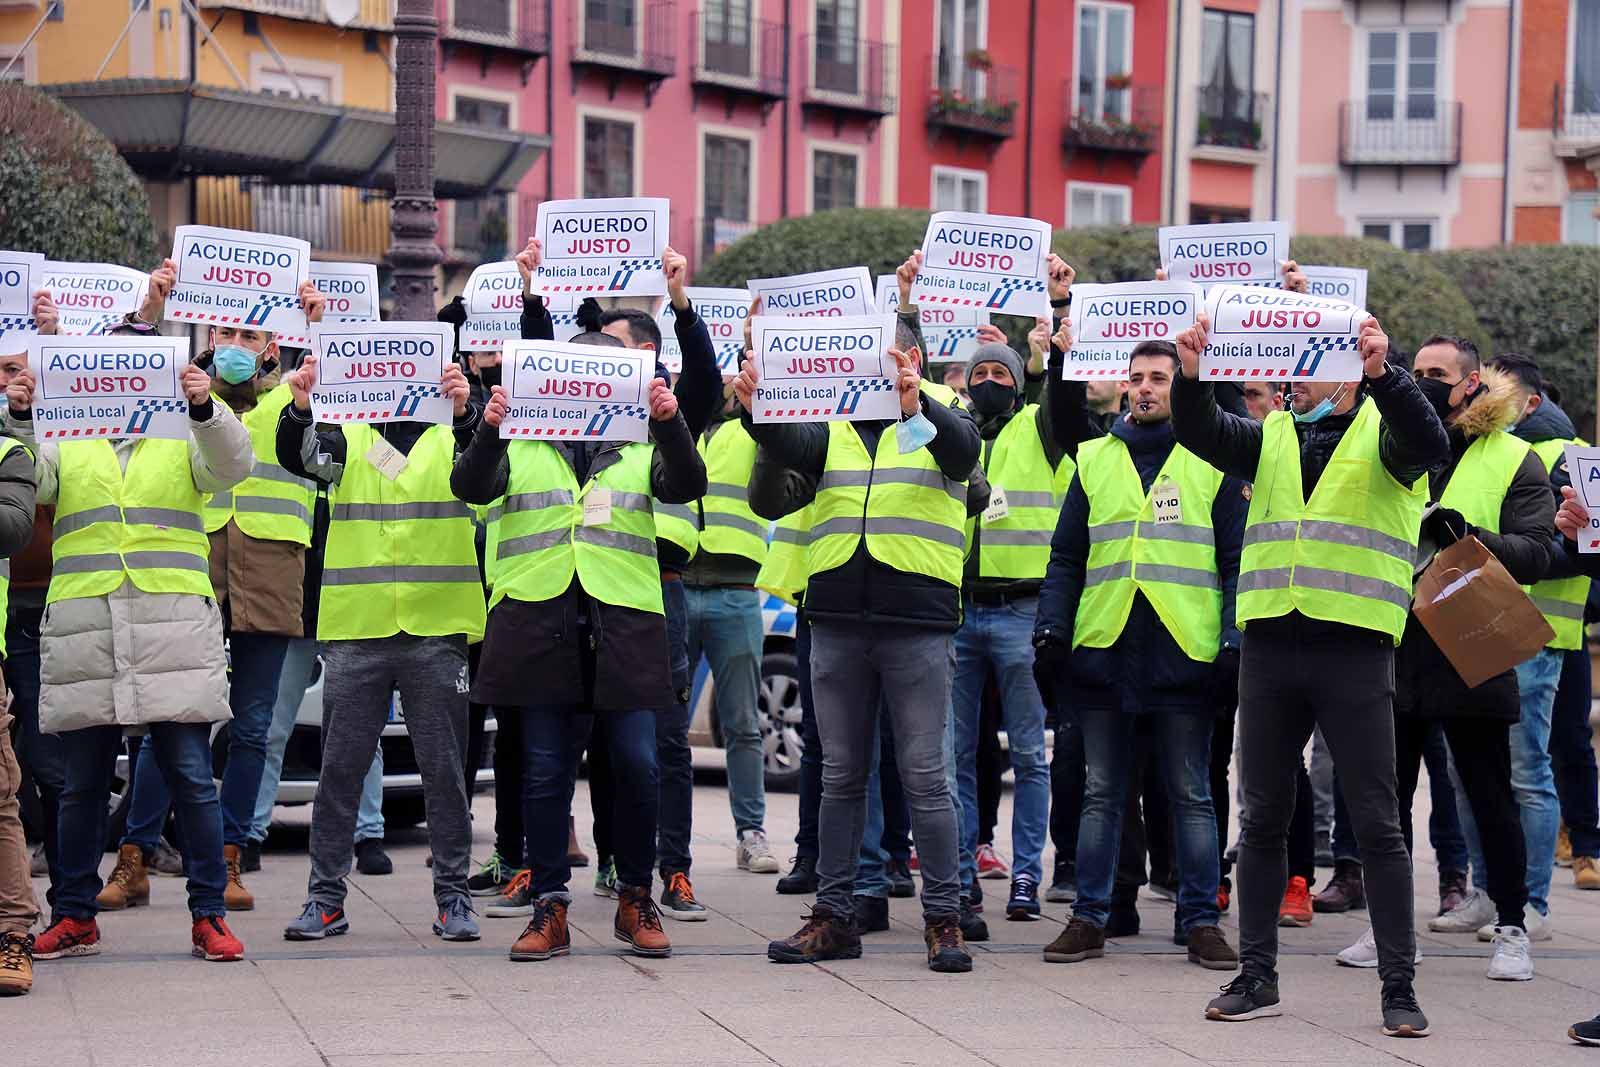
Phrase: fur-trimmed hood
(1495,407)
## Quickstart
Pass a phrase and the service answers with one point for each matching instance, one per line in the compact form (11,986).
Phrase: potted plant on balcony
(979,59)
(1112,133)
(952,107)
(1119,81)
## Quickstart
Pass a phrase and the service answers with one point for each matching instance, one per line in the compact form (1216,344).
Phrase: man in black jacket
(1299,672)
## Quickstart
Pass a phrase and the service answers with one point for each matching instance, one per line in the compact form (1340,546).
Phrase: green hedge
(878,238)
(64,190)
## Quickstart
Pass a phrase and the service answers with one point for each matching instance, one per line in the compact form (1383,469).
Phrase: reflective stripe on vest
(540,542)
(271,504)
(142,522)
(1173,564)
(783,573)
(1018,545)
(401,556)
(727,525)
(1344,556)
(1560,600)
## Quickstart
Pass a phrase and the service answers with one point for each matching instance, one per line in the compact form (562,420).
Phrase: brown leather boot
(1344,892)
(235,897)
(546,933)
(16,964)
(639,923)
(129,884)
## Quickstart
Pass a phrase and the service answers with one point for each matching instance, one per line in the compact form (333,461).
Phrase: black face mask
(1437,393)
(992,398)
(489,376)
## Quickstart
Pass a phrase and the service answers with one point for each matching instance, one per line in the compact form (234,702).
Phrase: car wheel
(779,705)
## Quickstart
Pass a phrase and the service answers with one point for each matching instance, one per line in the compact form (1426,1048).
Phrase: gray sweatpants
(854,671)
(431,676)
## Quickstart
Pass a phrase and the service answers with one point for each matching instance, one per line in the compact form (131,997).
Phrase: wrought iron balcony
(1576,115)
(1129,122)
(602,39)
(1231,118)
(1416,133)
(970,98)
(848,76)
(756,66)
(516,26)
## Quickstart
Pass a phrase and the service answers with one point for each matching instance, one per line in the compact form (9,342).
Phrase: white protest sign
(93,297)
(887,297)
(844,291)
(949,334)
(1273,333)
(109,387)
(610,245)
(723,311)
(493,300)
(20,278)
(350,292)
(1338,283)
(1108,321)
(1232,253)
(833,371)
(381,371)
(239,278)
(996,262)
(1583,468)
(557,390)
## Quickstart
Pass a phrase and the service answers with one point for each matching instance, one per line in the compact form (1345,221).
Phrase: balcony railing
(758,65)
(1129,122)
(1420,133)
(971,100)
(1576,114)
(603,39)
(1231,118)
(512,25)
(848,75)
(370,15)
(339,221)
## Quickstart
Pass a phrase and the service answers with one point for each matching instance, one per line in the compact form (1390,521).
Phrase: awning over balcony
(168,129)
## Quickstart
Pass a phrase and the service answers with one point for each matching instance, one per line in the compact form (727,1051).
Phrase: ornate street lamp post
(413,253)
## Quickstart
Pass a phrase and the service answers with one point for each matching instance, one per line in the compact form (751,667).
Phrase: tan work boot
(235,897)
(638,923)
(16,964)
(1585,872)
(129,884)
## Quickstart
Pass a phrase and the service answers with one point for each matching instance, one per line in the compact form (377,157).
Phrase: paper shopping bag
(1477,614)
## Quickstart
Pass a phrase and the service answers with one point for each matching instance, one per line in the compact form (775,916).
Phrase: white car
(778,698)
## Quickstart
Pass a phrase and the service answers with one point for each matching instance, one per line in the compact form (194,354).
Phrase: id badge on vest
(1164,501)
(998,508)
(597,506)
(388,460)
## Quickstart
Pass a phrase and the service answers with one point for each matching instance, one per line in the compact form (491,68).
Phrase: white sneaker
(755,855)
(1467,916)
(1364,953)
(1539,927)
(1511,962)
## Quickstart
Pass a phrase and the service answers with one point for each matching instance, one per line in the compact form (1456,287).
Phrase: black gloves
(1225,678)
(1051,656)
(454,312)
(1446,526)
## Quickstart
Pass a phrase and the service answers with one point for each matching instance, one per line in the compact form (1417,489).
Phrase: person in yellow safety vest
(1561,596)
(577,633)
(883,600)
(401,598)
(1495,488)
(1337,494)
(259,531)
(132,638)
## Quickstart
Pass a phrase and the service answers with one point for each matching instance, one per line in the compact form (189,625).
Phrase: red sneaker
(1224,898)
(215,942)
(990,864)
(1296,907)
(68,937)
(912,862)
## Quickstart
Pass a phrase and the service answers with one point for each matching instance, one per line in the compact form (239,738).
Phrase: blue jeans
(725,625)
(1571,754)
(1183,748)
(182,755)
(1532,780)
(872,875)
(810,789)
(1001,637)
(299,661)
(675,763)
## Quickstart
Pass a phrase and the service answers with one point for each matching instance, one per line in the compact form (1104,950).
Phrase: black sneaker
(1402,1017)
(900,883)
(516,899)
(974,895)
(371,859)
(1063,884)
(1024,903)
(1586,1032)
(493,877)
(1248,996)
(973,928)
(872,914)
(250,857)
(678,902)
(802,877)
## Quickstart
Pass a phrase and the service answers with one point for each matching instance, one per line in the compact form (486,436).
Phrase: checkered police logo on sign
(412,396)
(139,420)
(265,305)
(1316,348)
(997,300)
(950,338)
(625,271)
(856,388)
(600,421)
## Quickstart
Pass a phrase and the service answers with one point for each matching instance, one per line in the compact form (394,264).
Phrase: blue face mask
(233,364)
(1322,410)
(914,433)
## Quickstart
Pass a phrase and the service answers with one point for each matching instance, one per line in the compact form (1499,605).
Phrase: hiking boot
(546,934)
(317,922)
(1452,890)
(947,950)
(1024,903)
(605,879)
(455,922)
(1563,847)
(16,964)
(973,926)
(250,857)
(1512,962)
(1474,911)
(1402,1017)
(755,855)
(638,923)
(67,937)
(1345,891)
(1585,872)
(678,902)
(1248,996)
(1296,907)
(1081,940)
(166,860)
(129,884)
(823,936)
(235,897)
(214,942)
(1210,949)
(493,877)
(371,859)
(872,914)
(802,877)
(900,884)
(576,857)
(517,899)
(991,864)
(1063,884)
